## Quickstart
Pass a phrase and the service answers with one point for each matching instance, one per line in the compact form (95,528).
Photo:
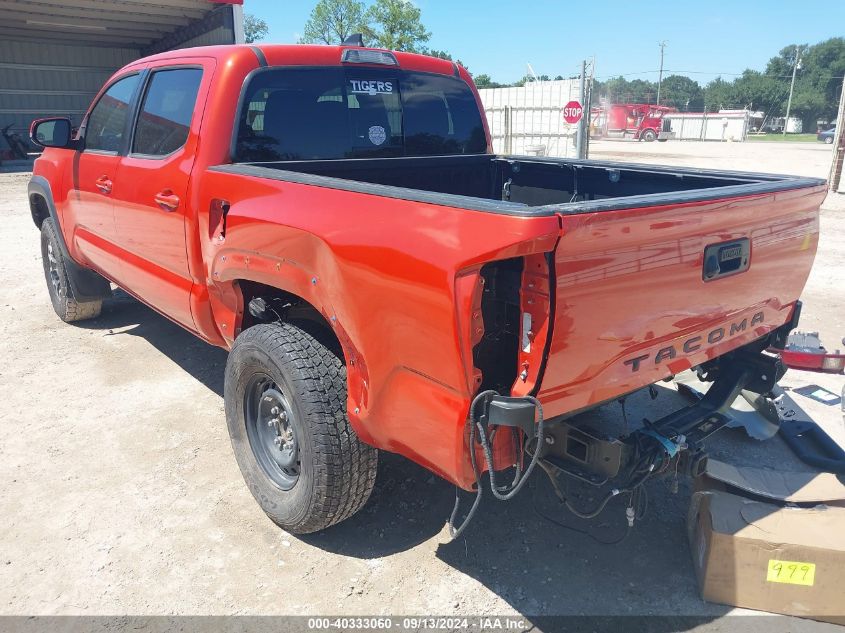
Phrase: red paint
(627,119)
(399,280)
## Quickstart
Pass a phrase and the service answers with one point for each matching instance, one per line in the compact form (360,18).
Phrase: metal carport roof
(125,23)
(55,56)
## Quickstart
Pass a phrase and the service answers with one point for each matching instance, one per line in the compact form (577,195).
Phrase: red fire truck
(640,121)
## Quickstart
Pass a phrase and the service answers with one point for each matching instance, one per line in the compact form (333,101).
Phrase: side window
(107,121)
(166,111)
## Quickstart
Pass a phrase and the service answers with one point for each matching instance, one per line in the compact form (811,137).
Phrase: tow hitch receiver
(757,373)
(671,444)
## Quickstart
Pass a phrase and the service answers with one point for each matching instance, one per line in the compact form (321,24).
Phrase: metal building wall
(219,35)
(698,126)
(529,119)
(49,68)
(42,79)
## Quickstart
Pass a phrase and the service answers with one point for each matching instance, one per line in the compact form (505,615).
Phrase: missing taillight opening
(497,352)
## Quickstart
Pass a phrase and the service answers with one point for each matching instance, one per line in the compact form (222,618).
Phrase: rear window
(328,113)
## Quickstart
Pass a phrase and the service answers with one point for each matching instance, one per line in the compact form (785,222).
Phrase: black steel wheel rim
(53,270)
(269,418)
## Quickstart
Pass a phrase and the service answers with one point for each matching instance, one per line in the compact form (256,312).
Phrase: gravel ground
(120,493)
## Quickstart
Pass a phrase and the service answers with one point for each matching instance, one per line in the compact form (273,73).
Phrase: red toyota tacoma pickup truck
(334,216)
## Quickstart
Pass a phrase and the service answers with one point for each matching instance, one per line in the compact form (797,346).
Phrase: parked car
(827,135)
(334,217)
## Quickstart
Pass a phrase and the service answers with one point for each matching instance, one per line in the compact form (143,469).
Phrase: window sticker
(377,135)
(372,88)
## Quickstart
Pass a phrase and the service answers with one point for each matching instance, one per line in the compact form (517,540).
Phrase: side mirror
(52,133)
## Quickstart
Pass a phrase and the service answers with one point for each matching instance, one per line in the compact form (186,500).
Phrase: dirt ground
(120,493)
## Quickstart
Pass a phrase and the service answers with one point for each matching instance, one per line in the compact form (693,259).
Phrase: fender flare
(86,284)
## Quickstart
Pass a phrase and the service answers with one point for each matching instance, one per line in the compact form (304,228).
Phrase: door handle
(104,184)
(167,200)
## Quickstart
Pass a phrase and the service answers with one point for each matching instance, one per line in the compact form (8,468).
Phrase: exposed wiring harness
(637,506)
(653,456)
(637,498)
(503,493)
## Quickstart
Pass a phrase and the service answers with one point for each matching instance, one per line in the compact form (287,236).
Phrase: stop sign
(572,112)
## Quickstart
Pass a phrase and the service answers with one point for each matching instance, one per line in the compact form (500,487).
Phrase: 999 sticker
(791,572)
(367,87)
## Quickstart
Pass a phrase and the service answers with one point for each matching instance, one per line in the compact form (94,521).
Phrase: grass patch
(780,138)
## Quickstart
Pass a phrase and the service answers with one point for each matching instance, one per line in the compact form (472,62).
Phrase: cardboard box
(765,552)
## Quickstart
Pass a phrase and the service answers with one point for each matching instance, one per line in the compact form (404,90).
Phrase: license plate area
(726,258)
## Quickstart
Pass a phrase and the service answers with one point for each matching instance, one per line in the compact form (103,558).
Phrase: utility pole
(588,106)
(838,145)
(795,67)
(580,141)
(660,75)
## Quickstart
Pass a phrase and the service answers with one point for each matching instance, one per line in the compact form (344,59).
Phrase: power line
(705,72)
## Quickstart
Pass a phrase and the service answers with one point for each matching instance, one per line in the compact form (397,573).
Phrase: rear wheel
(67,307)
(285,396)
(828,140)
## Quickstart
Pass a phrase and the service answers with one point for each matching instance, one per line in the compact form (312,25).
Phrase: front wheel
(648,136)
(285,398)
(65,303)
(828,140)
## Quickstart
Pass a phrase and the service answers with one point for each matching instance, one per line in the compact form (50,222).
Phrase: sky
(703,39)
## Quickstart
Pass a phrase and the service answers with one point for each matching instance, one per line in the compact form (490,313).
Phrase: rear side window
(441,116)
(331,113)
(107,122)
(166,111)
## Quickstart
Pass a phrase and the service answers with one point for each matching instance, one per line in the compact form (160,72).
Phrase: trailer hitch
(742,370)
(672,444)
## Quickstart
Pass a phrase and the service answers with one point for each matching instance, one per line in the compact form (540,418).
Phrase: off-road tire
(67,307)
(336,470)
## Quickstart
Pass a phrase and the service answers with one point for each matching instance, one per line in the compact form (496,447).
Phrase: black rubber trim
(455,70)
(758,184)
(262,60)
(85,283)
(386,191)
(550,262)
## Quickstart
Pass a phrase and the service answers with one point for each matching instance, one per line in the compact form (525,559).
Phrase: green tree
(396,25)
(818,79)
(255,29)
(718,95)
(620,90)
(756,91)
(332,21)
(484,81)
(682,93)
